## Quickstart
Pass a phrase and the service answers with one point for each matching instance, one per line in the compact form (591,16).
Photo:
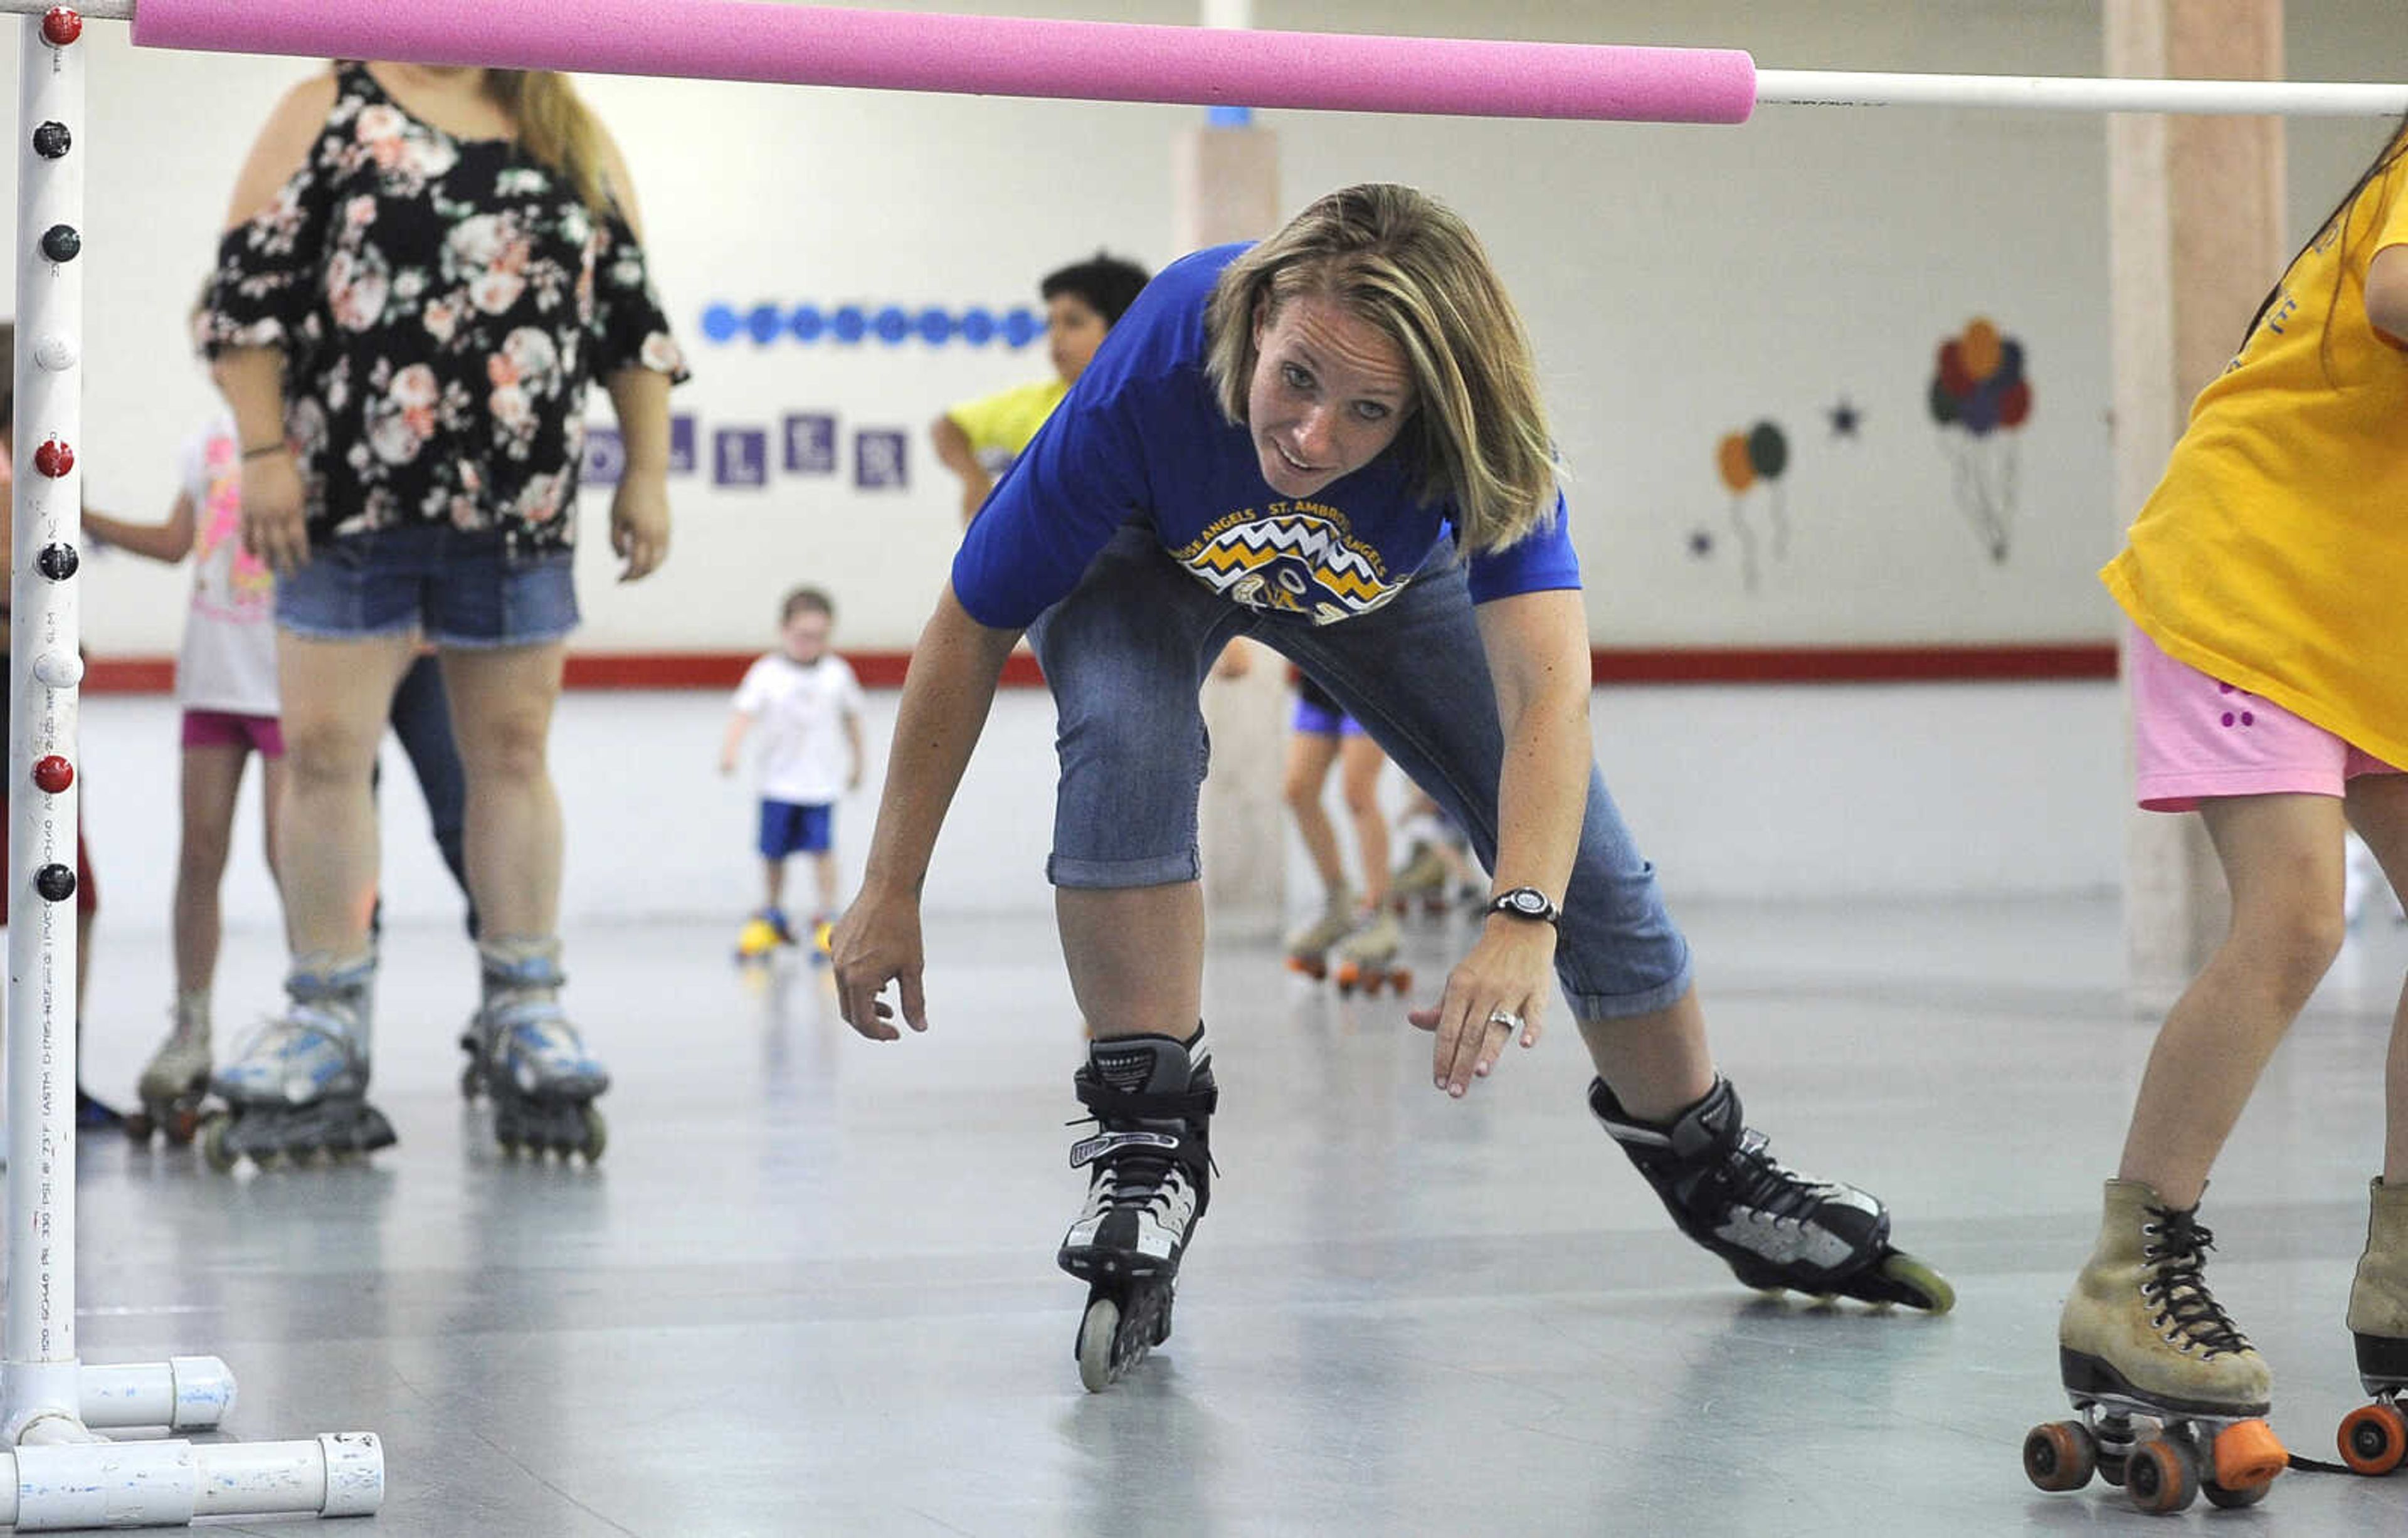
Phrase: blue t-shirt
(1142,438)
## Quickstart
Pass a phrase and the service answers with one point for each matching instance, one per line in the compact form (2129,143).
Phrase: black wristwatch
(1526,903)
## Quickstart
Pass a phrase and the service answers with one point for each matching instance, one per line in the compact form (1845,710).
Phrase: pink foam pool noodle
(988,55)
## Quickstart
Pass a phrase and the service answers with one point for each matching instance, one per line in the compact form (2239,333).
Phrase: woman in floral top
(425,268)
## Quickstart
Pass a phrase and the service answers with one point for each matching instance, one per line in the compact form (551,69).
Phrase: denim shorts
(456,588)
(1125,656)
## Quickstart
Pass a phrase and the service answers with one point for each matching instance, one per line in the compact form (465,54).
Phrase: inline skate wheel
(2373,1438)
(2160,1477)
(597,1136)
(1099,1331)
(2060,1456)
(138,1125)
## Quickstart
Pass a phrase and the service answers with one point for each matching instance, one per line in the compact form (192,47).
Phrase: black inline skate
(1778,1229)
(1151,1168)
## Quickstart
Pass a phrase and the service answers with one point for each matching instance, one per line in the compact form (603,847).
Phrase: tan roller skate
(1420,884)
(177,1079)
(1307,948)
(2374,1437)
(2141,1336)
(1367,958)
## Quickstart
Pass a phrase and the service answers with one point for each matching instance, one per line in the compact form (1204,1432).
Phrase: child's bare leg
(1310,754)
(824,867)
(773,881)
(2378,808)
(1360,762)
(211,782)
(2282,857)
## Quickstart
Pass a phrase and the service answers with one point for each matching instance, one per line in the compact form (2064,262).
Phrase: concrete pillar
(1226,187)
(2195,237)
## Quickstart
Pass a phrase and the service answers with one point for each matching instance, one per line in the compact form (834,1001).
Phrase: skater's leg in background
(1136,957)
(212,784)
(773,880)
(422,721)
(2282,857)
(335,697)
(1361,762)
(2378,807)
(1656,1062)
(1310,754)
(502,699)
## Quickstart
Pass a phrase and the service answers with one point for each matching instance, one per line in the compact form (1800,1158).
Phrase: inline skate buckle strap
(1088,1149)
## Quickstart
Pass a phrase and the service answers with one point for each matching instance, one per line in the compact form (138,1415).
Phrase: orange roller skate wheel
(2248,1453)
(1314,970)
(2373,1438)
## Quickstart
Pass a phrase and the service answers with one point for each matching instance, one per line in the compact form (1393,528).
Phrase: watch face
(1527,901)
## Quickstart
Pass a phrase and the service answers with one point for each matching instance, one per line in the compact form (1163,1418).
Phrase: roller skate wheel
(597,1137)
(2245,1453)
(1936,1295)
(2160,1477)
(215,1133)
(1099,1333)
(1402,981)
(138,1126)
(2227,1499)
(1309,966)
(2060,1456)
(2373,1438)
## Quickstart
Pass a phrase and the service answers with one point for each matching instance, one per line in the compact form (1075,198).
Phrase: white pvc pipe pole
(54,1472)
(2068,94)
(169,1484)
(182,1394)
(37,1341)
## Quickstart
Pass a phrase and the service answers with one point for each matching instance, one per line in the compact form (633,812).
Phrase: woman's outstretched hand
(877,942)
(1493,996)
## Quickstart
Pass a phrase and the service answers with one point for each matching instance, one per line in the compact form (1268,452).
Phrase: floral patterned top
(442,304)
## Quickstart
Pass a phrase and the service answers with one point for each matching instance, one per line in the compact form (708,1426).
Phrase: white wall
(1682,283)
(1807,792)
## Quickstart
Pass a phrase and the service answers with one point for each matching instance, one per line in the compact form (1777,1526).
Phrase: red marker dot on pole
(62,26)
(53,459)
(54,772)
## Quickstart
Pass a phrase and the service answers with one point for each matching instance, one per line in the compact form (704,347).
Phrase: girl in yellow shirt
(2266,582)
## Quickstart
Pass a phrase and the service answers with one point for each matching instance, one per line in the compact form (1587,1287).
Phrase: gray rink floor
(810,1289)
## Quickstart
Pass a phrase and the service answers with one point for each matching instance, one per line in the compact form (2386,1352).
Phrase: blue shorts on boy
(787,828)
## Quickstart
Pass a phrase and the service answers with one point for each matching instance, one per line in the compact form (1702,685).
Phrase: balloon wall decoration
(1979,395)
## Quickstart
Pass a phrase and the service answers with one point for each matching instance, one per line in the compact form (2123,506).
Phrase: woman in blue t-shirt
(1332,443)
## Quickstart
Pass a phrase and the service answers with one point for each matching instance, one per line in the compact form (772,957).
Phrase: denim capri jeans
(1126,655)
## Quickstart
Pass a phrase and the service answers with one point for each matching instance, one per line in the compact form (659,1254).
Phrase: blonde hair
(1404,261)
(555,127)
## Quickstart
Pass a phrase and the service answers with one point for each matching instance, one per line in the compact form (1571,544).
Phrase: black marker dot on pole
(57,561)
(55,882)
(60,243)
(51,140)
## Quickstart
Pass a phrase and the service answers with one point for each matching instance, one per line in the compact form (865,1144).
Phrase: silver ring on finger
(1506,1018)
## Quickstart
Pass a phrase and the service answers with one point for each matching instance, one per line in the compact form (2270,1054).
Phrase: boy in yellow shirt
(979,439)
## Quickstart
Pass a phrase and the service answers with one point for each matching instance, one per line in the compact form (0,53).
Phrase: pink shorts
(2195,738)
(225,729)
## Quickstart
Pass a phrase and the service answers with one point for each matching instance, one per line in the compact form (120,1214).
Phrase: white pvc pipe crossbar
(2076,93)
(54,1472)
